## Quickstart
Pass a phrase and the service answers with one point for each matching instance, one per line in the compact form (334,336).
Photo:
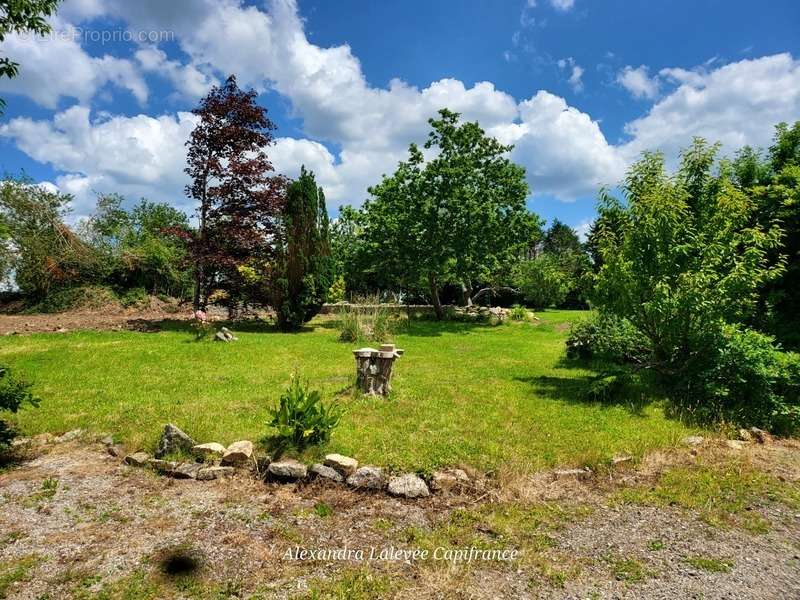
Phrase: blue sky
(580,87)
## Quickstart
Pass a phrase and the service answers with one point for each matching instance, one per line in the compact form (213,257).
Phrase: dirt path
(76,523)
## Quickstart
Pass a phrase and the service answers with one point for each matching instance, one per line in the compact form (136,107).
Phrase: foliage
(366,319)
(541,281)
(303,271)
(84,296)
(458,217)
(337,290)
(39,250)
(690,261)
(519,313)
(302,419)
(14,393)
(238,197)
(607,338)
(139,246)
(22,16)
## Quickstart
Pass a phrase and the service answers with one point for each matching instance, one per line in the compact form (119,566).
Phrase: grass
(711,565)
(723,493)
(463,393)
(15,571)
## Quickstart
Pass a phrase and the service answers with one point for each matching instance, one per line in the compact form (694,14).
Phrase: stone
(70,436)
(209,450)
(116,450)
(760,435)
(228,335)
(443,481)
(734,444)
(107,441)
(693,440)
(43,439)
(209,473)
(318,470)
(185,470)
(408,486)
(370,478)
(621,459)
(745,435)
(137,459)
(573,473)
(287,468)
(238,454)
(162,466)
(343,464)
(173,440)
(220,337)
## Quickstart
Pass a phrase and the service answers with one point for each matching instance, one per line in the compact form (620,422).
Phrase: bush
(301,419)
(366,321)
(87,296)
(337,290)
(607,338)
(14,393)
(134,297)
(350,326)
(747,381)
(541,282)
(518,313)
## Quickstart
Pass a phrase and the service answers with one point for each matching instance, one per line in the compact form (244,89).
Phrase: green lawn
(463,394)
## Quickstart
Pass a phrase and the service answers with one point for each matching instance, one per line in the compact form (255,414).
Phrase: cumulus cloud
(575,73)
(735,104)
(56,66)
(563,5)
(355,132)
(638,82)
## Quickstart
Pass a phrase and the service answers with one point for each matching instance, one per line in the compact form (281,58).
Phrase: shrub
(133,297)
(350,326)
(87,296)
(746,381)
(368,320)
(541,282)
(14,393)
(608,338)
(302,419)
(337,290)
(518,313)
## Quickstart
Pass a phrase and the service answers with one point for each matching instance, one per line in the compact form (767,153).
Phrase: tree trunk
(434,288)
(466,298)
(199,268)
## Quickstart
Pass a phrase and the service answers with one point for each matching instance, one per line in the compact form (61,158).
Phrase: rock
(70,436)
(408,486)
(227,333)
(42,439)
(442,481)
(220,337)
(343,464)
(370,478)
(318,470)
(621,459)
(186,470)
(162,466)
(760,435)
(576,473)
(238,454)
(116,450)
(693,440)
(21,441)
(734,444)
(209,450)
(745,435)
(107,441)
(209,473)
(137,459)
(287,468)
(173,440)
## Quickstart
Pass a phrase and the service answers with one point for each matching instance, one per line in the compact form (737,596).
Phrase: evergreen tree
(304,269)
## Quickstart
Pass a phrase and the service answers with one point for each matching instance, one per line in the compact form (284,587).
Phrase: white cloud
(562,148)
(735,104)
(563,5)
(638,82)
(575,73)
(56,66)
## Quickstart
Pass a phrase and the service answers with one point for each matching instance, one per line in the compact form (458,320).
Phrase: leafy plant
(518,313)
(337,290)
(301,419)
(14,393)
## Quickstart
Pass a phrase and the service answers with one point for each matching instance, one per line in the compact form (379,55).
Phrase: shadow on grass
(187,326)
(609,387)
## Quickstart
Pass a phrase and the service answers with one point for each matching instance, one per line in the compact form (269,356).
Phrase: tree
(541,281)
(41,252)
(239,199)
(459,216)
(140,246)
(304,269)
(686,273)
(22,16)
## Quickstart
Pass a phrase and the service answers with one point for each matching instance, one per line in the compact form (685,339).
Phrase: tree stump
(374,369)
